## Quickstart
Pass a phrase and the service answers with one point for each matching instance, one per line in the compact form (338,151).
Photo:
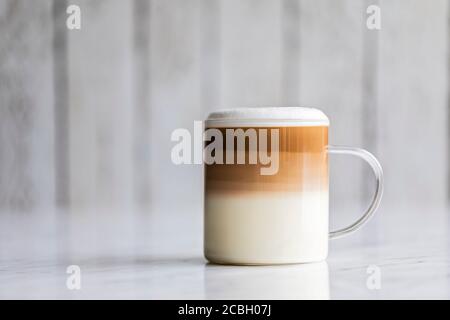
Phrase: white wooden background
(86,116)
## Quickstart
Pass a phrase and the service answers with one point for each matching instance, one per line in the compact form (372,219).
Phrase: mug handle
(378,172)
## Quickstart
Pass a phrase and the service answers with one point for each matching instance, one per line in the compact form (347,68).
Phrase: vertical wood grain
(176,100)
(89,113)
(251,68)
(210,53)
(448,107)
(412,85)
(291,50)
(26,106)
(142,129)
(369,103)
(369,115)
(101,105)
(61,104)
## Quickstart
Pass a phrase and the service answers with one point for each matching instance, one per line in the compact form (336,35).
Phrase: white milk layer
(266,228)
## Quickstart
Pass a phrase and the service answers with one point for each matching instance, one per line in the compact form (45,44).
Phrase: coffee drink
(282,217)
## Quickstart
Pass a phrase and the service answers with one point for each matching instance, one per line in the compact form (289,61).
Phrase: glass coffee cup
(267,186)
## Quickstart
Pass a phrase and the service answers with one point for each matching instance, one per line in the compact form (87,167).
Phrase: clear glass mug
(274,211)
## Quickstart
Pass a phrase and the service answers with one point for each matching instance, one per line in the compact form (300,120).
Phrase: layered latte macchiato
(266,186)
(252,218)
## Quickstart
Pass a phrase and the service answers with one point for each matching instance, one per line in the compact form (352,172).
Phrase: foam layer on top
(267,117)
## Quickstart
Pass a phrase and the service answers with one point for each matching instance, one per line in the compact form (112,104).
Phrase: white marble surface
(160,257)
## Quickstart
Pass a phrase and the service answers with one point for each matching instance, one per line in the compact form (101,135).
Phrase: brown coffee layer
(303,165)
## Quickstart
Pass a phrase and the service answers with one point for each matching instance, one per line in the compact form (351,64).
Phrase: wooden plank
(251,39)
(61,104)
(101,111)
(26,106)
(370,108)
(291,50)
(210,53)
(412,104)
(142,109)
(176,99)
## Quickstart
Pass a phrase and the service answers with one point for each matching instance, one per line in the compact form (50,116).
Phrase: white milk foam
(266,228)
(268,116)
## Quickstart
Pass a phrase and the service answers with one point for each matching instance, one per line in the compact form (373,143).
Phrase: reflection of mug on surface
(305,281)
(251,218)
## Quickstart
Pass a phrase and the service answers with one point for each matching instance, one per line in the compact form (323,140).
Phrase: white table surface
(159,256)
